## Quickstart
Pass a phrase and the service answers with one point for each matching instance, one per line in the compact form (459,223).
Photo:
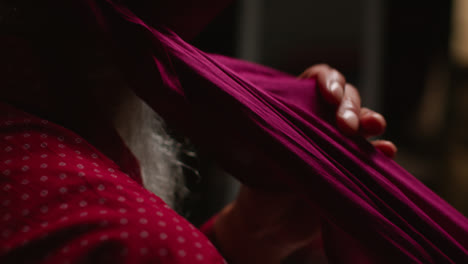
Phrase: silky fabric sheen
(269,130)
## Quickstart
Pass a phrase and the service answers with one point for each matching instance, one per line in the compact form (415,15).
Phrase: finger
(347,116)
(371,123)
(387,147)
(330,82)
(313,71)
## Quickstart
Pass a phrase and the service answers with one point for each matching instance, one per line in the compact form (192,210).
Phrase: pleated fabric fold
(271,130)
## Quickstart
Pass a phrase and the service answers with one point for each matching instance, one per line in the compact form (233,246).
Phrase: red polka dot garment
(61,201)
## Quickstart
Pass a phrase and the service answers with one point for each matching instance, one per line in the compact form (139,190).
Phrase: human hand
(266,227)
(351,118)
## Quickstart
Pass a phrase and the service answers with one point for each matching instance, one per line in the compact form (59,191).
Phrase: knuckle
(322,65)
(337,75)
(319,69)
(351,87)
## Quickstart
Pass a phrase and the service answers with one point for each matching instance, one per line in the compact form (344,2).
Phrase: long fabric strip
(270,130)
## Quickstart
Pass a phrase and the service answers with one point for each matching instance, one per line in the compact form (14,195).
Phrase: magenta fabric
(270,130)
(64,202)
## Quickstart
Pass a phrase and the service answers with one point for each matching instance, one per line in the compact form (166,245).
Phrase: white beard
(143,132)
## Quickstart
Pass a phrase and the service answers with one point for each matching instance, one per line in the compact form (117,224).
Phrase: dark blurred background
(408,59)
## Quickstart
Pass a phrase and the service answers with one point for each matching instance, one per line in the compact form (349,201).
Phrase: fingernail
(336,90)
(351,119)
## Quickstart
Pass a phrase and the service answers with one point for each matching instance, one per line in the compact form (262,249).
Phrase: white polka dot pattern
(54,186)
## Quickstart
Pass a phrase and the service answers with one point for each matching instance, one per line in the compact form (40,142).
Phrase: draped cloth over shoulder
(270,130)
